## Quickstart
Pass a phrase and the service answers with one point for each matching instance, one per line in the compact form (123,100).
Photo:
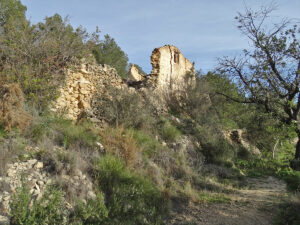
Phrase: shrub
(121,107)
(148,145)
(43,50)
(12,113)
(192,100)
(48,210)
(214,146)
(121,143)
(291,177)
(289,213)
(169,132)
(108,52)
(92,212)
(130,198)
(64,132)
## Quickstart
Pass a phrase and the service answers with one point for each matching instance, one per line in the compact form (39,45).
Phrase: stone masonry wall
(170,69)
(81,84)
(134,74)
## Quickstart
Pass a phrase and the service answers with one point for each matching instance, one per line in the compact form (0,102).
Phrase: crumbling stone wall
(134,74)
(170,69)
(81,83)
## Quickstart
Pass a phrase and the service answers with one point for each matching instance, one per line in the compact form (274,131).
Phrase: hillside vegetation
(142,165)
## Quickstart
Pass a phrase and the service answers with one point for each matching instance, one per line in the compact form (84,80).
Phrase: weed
(121,143)
(289,213)
(3,133)
(12,113)
(149,145)
(48,210)
(92,212)
(130,198)
(64,132)
(169,132)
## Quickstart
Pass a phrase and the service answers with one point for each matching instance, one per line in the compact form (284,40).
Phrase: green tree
(35,55)
(108,52)
(231,114)
(269,71)
(11,11)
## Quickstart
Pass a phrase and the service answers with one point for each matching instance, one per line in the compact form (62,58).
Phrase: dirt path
(255,205)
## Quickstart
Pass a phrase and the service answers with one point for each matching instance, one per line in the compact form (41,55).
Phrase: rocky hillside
(82,142)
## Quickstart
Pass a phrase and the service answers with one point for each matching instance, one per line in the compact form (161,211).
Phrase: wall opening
(176,57)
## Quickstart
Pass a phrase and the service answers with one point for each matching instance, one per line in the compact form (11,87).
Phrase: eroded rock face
(237,136)
(81,84)
(170,69)
(37,175)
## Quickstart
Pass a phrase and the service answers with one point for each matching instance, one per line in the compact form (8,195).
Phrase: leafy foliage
(145,205)
(92,212)
(269,72)
(63,132)
(108,52)
(124,108)
(122,144)
(48,210)
(169,132)
(35,56)
(289,214)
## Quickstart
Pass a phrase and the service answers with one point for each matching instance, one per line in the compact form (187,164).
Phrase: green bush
(92,212)
(169,132)
(130,198)
(64,132)
(108,52)
(289,214)
(215,147)
(48,210)
(3,133)
(258,166)
(218,152)
(122,107)
(149,145)
(291,177)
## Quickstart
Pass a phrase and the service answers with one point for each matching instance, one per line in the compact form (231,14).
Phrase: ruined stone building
(171,71)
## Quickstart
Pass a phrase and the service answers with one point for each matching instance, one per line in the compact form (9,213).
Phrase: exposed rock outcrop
(36,175)
(237,136)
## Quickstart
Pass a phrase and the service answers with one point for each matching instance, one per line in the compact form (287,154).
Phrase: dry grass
(122,144)
(12,113)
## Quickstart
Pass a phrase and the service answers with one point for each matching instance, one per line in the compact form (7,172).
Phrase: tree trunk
(295,163)
(297,154)
(275,148)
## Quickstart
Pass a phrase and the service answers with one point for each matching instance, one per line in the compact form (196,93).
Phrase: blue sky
(202,29)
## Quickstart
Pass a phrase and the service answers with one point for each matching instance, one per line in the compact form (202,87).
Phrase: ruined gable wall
(170,68)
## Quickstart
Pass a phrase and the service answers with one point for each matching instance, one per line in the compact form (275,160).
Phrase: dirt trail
(255,205)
